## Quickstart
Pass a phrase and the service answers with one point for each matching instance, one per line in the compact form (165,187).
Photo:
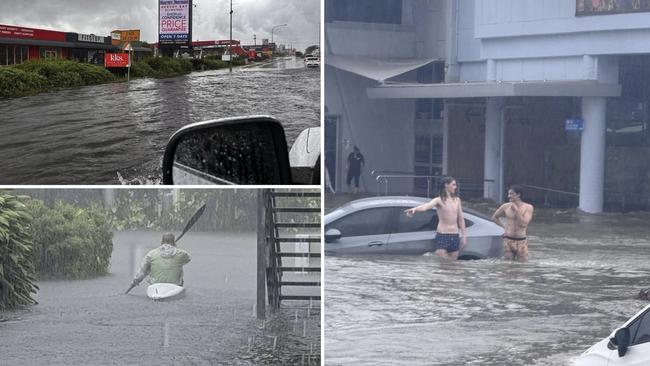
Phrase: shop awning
(373,68)
(569,88)
(94,46)
(34,42)
(42,43)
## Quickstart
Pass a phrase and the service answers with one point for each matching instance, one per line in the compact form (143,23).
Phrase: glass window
(3,55)
(640,333)
(46,52)
(365,11)
(11,55)
(422,221)
(372,221)
(22,54)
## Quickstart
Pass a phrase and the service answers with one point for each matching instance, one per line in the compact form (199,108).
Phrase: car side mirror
(241,150)
(304,157)
(622,340)
(332,235)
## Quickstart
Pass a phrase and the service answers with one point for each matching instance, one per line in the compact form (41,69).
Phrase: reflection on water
(579,285)
(92,322)
(116,133)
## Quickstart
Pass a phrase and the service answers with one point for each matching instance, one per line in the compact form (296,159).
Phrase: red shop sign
(116,60)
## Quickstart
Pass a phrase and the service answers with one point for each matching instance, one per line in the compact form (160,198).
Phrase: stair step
(297,224)
(300,269)
(298,240)
(296,209)
(298,255)
(295,194)
(299,283)
(299,297)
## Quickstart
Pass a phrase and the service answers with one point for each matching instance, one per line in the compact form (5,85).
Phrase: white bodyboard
(159,291)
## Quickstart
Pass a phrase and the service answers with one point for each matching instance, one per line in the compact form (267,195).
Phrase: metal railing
(468,187)
(550,197)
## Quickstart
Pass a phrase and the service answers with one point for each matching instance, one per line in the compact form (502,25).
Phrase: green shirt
(164,265)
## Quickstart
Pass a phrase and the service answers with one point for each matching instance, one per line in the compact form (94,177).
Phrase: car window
(468,223)
(372,221)
(422,221)
(640,330)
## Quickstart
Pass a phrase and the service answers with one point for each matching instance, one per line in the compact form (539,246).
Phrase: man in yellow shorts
(518,215)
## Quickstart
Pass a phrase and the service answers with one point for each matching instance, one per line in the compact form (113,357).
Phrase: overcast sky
(211,20)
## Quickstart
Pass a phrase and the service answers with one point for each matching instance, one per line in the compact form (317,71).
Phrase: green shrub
(211,64)
(15,82)
(167,66)
(70,242)
(142,69)
(67,73)
(17,282)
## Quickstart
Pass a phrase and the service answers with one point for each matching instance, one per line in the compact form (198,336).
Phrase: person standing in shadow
(355,163)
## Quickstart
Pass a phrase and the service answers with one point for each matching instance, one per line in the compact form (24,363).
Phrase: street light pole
(230,40)
(272,29)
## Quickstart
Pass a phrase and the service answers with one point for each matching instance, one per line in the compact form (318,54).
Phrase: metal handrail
(385,178)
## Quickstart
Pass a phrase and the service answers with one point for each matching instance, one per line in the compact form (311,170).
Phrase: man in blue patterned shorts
(450,233)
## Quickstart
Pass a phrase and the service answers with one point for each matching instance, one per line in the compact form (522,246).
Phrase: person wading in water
(450,233)
(518,215)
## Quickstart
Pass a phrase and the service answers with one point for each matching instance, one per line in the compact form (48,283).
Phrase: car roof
(386,201)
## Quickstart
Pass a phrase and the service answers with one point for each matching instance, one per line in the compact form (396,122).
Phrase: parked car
(312,61)
(378,225)
(628,345)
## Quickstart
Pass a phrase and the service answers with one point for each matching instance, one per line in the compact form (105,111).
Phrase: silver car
(378,225)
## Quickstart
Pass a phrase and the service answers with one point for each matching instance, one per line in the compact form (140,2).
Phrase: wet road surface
(91,322)
(116,133)
(581,283)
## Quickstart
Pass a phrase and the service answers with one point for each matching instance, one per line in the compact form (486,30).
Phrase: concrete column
(592,155)
(491,70)
(493,163)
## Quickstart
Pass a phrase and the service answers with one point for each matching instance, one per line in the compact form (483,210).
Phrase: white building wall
(430,26)
(515,18)
(469,47)
(371,40)
(382,129)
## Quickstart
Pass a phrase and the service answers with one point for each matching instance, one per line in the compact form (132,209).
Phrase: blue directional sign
(574,124)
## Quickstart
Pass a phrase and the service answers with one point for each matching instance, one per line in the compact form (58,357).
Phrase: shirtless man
(518,214)
(450,220)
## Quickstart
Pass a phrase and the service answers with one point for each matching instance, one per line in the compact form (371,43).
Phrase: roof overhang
(42,43)
(572,88)
(375,68)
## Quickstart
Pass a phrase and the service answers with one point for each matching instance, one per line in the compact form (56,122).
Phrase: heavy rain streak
(116,133)
(581,282)
(84,317)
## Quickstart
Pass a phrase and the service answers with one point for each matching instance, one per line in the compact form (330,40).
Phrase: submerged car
(378,225)
(628,345)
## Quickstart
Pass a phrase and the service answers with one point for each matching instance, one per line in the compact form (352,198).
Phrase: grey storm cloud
(251,18)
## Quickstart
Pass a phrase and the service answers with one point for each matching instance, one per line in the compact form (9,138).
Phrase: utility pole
(230,40)
(254,40)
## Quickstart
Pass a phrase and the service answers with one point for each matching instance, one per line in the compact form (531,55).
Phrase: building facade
(19,44)
(551,94)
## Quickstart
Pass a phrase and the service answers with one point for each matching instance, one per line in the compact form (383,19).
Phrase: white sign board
(174,22)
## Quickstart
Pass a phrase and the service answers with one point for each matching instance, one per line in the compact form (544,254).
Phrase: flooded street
(116,133)
(580,283)
(91,322)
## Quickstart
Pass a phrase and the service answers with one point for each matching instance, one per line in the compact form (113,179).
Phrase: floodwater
(91,322)
(581,283)
(116,133)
